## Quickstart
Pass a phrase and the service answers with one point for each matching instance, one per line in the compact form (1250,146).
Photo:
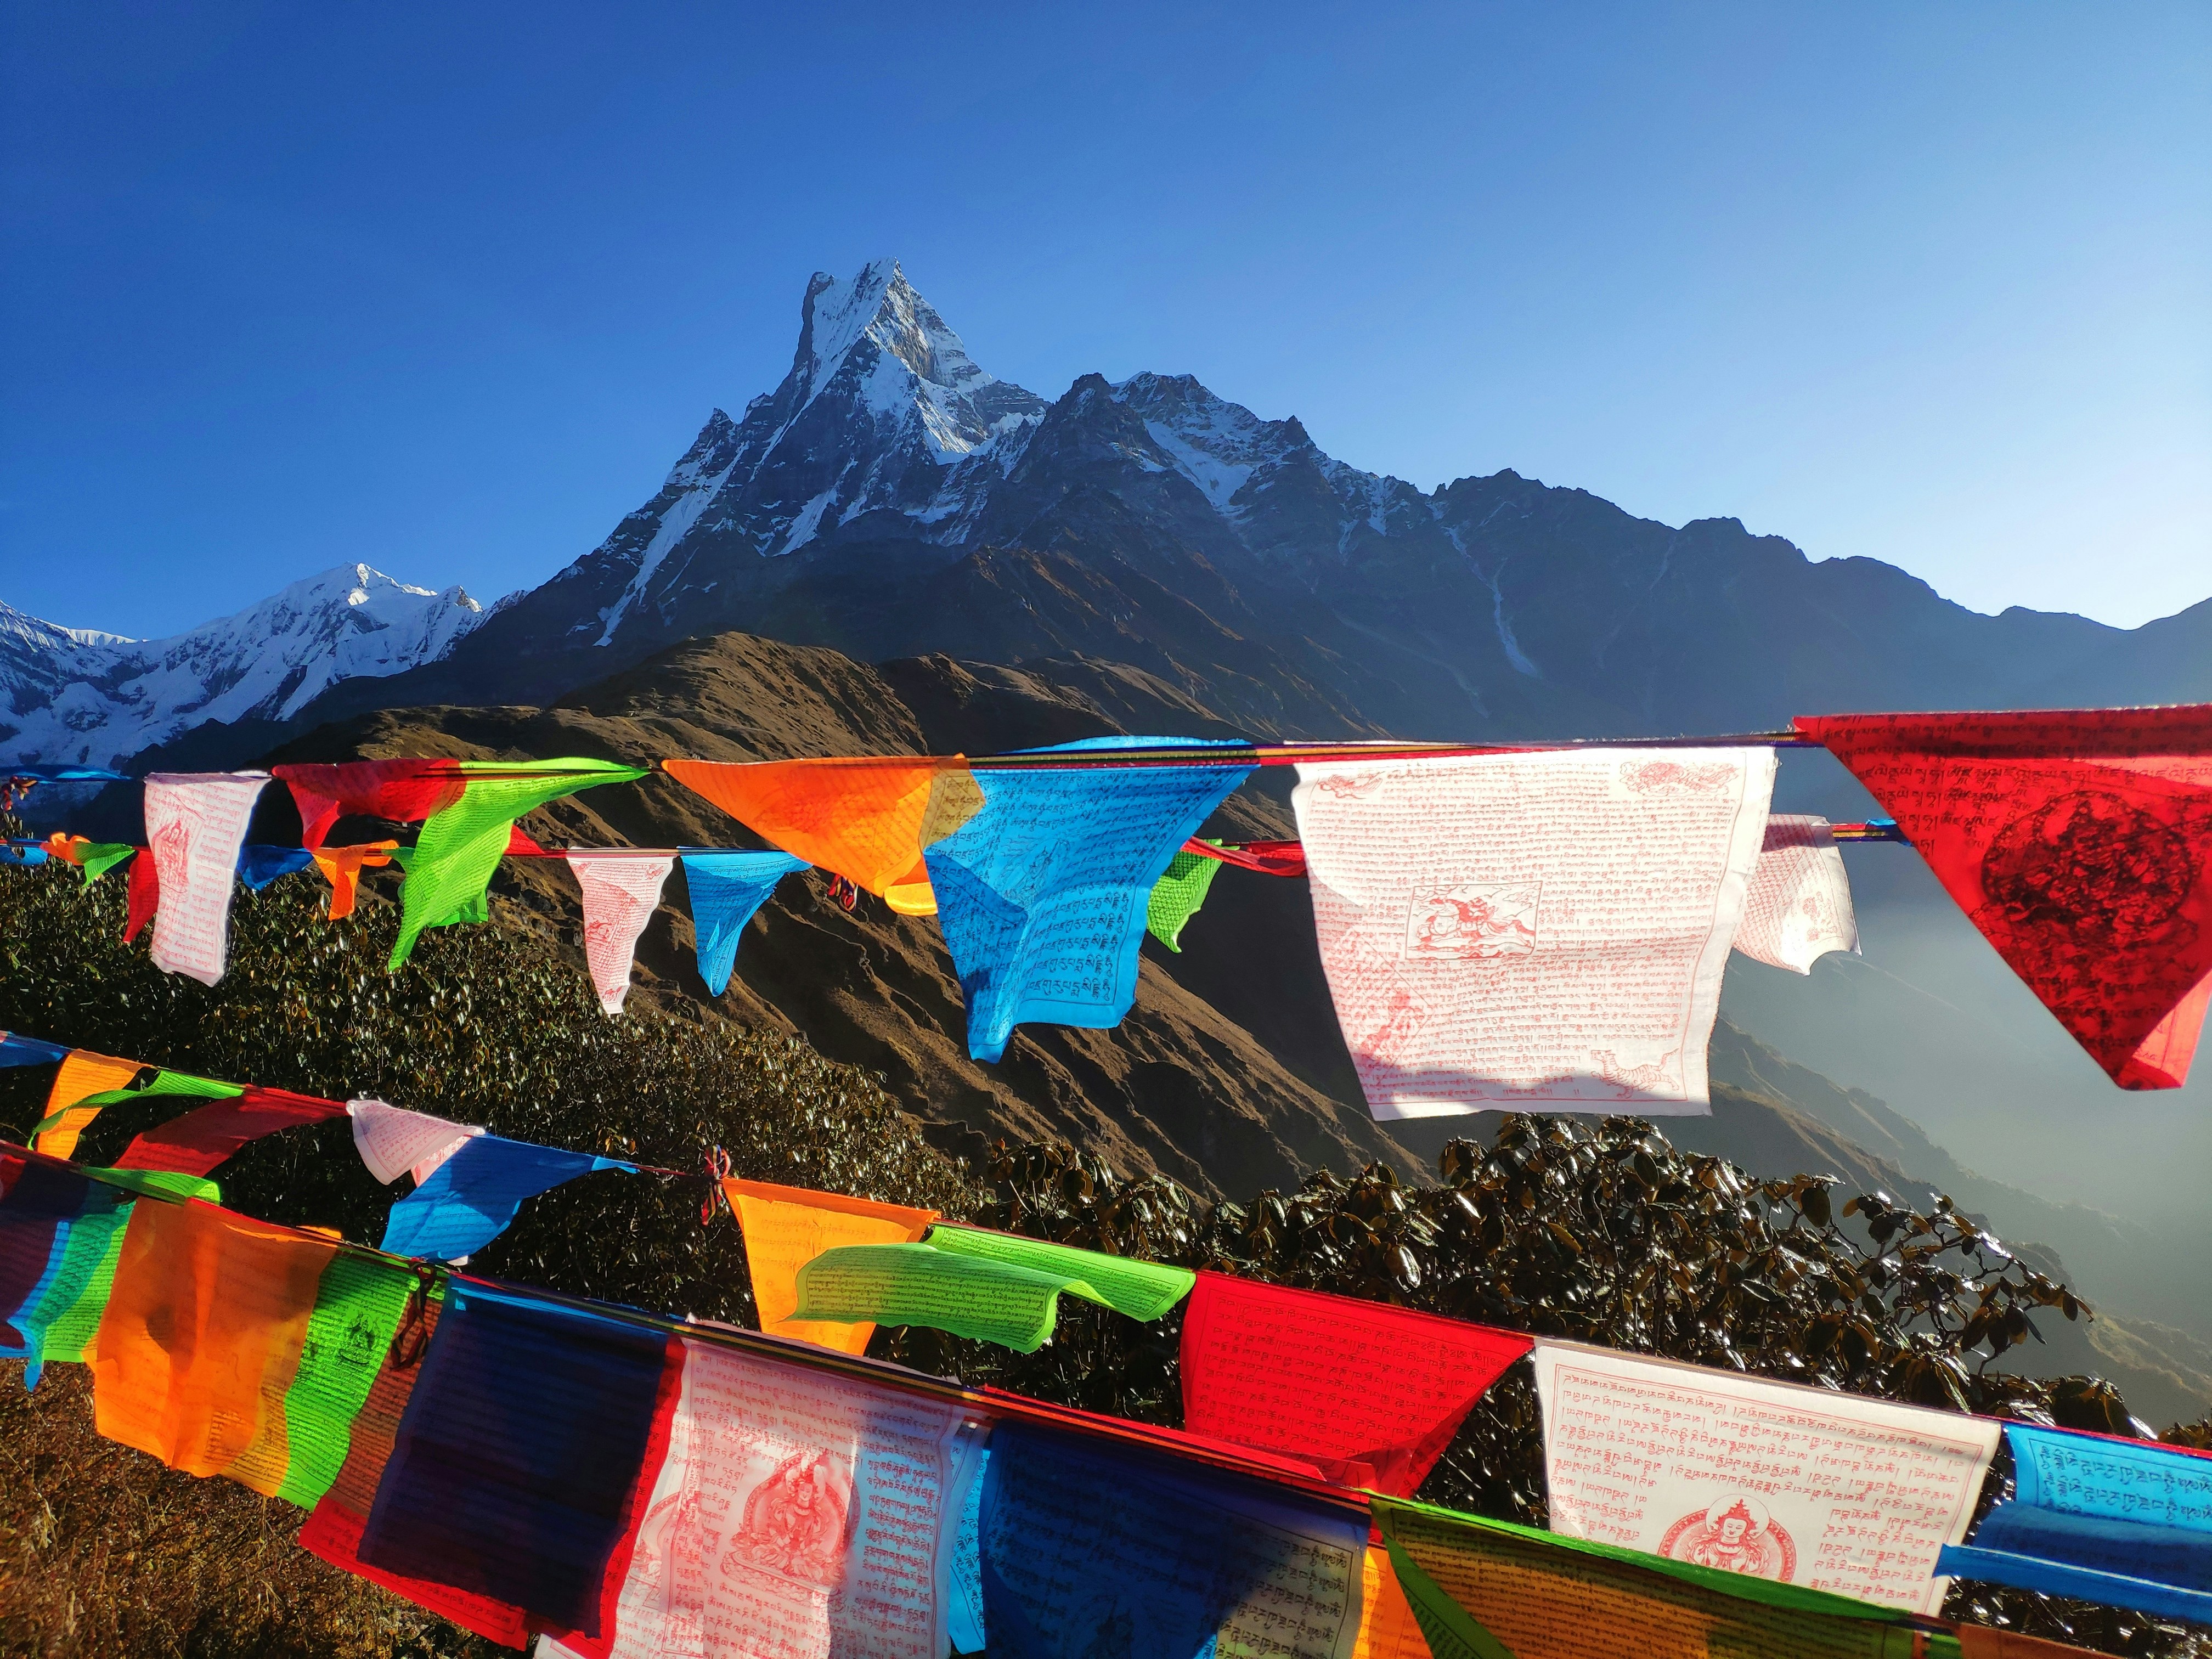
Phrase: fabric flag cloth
(1868,1494)
(40,1203)
(342,867)
(963,1578)
(798,1515)
(621,890)
(28,856)
(57,1134)
(2127,1522)
(527,1444)
(83,1075)
(1369,1393)
(199,1140)
(1176,897)
(1981,1642)
(96,860)
(16,1049)
(475,908)
(1267,858)
(1089,1550)
(1387,1628)
(787,1227)
(359,1306)
(1800,905)
(196,824)
(144,901)
(1142,1289)
(1042,893)
(202,1338)
(996,1302)
(2080,843)
(473,1196)
(402,791)
(461,844)
(259,865)
(1540,931)
(394,1141)
(1489,1590)
(862,819)
(726,890)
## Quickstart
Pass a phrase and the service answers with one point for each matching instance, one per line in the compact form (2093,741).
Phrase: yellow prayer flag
(83,1075)
(787,1227)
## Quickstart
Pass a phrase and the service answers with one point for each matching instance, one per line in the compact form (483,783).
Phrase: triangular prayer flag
(461,845)
(342,867)
(1800,905)
(787,1227)
(16,1049)
(1369,1393)
(726,890)
(394,1141)
(2080,842)
(197,1142)
(473,1196)
(405,791)
(195,822)
(621,890)
(62,1128)
(145,899)
(1042,894)
(96,860)
(1177,896)
(259,865)
(83,1075)
(862,819)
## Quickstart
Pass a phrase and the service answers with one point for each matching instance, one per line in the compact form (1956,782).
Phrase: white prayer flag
(195,822)
(1800,907)
(1545,930)
(394,1141)
(620,891)
(1803,1486)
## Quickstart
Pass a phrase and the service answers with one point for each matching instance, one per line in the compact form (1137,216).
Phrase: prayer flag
(914,1285)
(66,1317)
(1042,894)
(259,865)
(2080,842)
(1089,1551)
(473,1196)
(58,1133)
(461,845)
(17,852)
(527,1441)
(196,824)
(1142,1290)
(393,1140)
(1800,905)
(1801,1486)
(621,889)
(787,1227)
(197,1142)
(404,791)
(342,867)
(1489,1590)
(40,1199)
(83,1075)
(202,1339)
(16,1049)
(96,860)
(963,1578)
(2128,1522)
(1980,1641)
(797,1516)
(144,900)
(1369,1393)
(1267,858)
(359,1307)
(1387,1628)
(1177,896)
(726,888)
(1533,931)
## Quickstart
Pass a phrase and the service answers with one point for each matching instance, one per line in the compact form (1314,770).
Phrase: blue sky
(448,289)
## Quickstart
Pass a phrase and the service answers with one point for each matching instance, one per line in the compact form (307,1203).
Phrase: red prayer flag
(405,791)
(2080,842)
(199,1140)
(1269,858)
(145,894)
(1369,1394)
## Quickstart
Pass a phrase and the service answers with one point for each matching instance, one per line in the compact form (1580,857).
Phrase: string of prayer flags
(461,844)
(1177,896)
(16,1049)
(1489,1590)
(787,1227)
(796,1514)
(621,890)
(2128,1522)
(57,1134)
(1087,1551)
(527,1442)
(1369,1393)
(402,791)
(1559,943)
(394,1141)
(144,900)
(862,819)
(726,890)
(341,867)
(1801,1486)
(1800,905)
(1014,1307)
(258,865)
(196,824)
(1042,893)
(202,1339)
(474,1196)
(2080,842)
(199,1140)
(1142,1291)
(83,1074)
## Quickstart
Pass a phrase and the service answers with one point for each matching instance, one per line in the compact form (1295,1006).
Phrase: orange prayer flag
(866,820)
(202,1339)
(342,867)
(787,1227)
(1387,1626)
(83,1075)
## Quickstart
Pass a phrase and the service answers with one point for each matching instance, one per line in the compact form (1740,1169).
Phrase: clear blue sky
(448,288)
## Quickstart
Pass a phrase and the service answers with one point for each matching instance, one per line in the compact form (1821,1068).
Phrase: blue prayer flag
(40,1201)
(28,856)
(259,865)
(1042,893)
(725,889)
(472,1197)
(16,1049)
(63,773)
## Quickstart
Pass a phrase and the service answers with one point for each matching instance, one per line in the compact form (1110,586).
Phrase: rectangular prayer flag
(787,1227)
(1532,931)
(196,824)
(1142,1290)
(1369,1393)
(1801,1486)
(1800,907)
(57,1134)
(996,1302)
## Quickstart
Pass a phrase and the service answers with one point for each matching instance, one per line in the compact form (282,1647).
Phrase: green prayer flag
(476,909)
(452,862)
(1000,1301)
(1177,895)
(164,1083)
(1142,1290)
(358,1308)
(97,859)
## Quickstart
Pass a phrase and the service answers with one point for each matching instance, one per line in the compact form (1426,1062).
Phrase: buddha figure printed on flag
(1735,1534)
